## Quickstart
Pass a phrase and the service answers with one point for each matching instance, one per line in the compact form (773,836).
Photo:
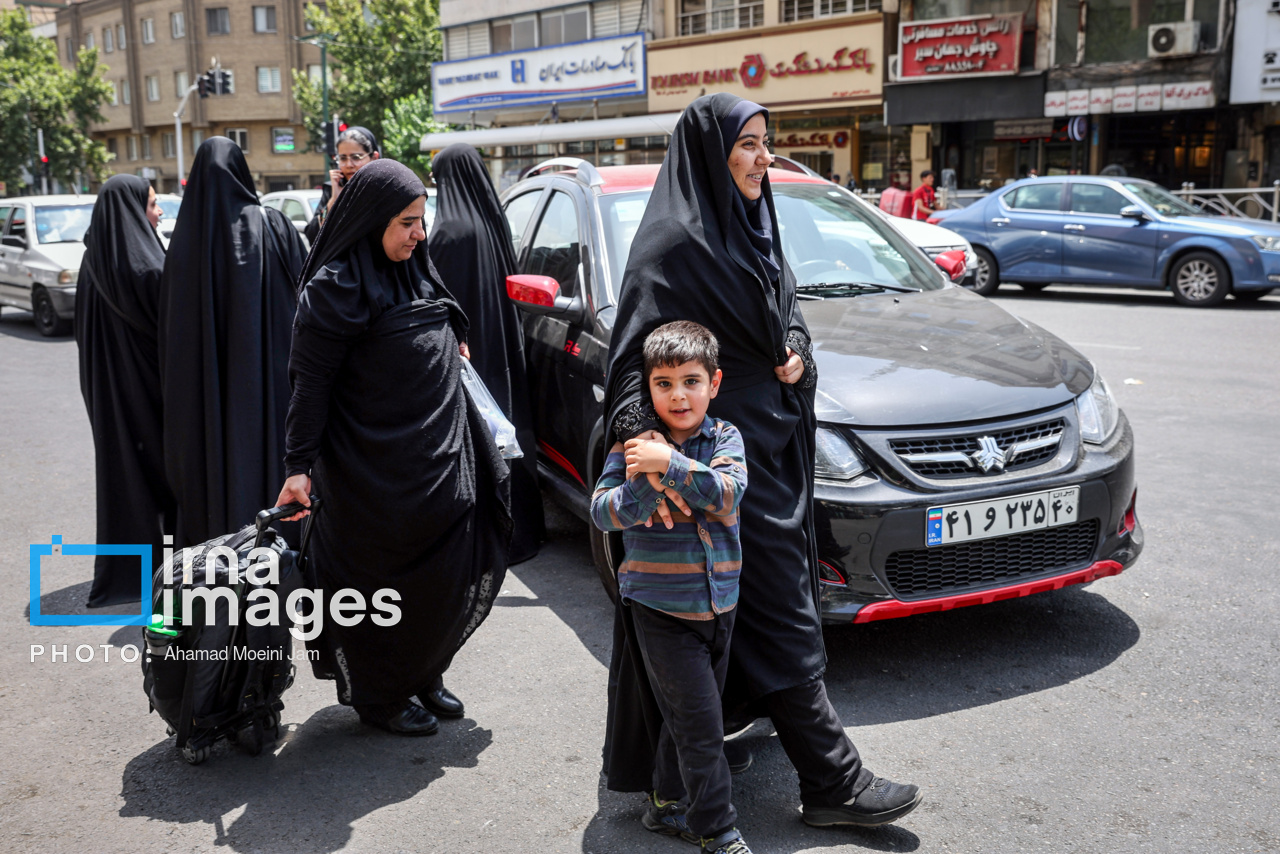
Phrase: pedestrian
(681,582)
(707,250)
(226,311)
(380,426)
(471,248)
(357,147)
(852,184)
(117,302)
(923,198)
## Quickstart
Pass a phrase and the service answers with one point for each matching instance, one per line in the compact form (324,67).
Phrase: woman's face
(352,157)
(153,209)
(750,157)
(405,231)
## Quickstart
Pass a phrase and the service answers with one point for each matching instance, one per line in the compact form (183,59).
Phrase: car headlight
(1099,414)
(68,277)
(835,457)
(1267,244)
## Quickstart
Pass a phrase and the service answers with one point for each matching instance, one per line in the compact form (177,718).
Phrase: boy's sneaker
(729,842)
(882,802)
(667,818)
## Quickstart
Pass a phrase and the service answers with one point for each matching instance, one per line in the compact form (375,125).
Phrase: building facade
(153,50)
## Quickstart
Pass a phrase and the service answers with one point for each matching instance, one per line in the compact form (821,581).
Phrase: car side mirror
(1133,212)
(15,241)
(541,295)
(952,263)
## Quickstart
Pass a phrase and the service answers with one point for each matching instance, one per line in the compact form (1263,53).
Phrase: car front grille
(944,570)
(959,448)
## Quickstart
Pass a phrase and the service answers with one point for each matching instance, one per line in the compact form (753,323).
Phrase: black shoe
(729,842)
(407,718)
(738,754)
(442,702)
(880,803)
(667,818)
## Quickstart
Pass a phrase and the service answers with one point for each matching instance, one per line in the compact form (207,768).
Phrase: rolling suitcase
(207,678)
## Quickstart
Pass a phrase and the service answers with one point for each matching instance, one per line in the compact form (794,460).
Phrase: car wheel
(1033,287)
(987,277)
(48,323)
(604,551)
(1200,279)
(1251,295)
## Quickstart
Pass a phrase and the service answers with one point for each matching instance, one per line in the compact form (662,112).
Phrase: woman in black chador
(708,251)
(415,491)
(226,310)
(117,298)
(471,248)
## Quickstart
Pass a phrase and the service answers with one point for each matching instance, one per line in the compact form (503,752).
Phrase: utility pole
(322,41)
(44,163)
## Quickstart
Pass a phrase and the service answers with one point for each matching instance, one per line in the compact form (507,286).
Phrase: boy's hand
(647,455)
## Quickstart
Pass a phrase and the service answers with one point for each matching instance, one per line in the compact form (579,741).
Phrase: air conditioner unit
(1176,39)
(893,65)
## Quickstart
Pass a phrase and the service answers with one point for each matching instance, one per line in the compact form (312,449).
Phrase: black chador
(117,300)
(416,496)
(226,310)
(471,248)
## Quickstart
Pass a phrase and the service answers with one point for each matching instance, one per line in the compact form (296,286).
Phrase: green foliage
(37,92)
(403,126)
(382,51)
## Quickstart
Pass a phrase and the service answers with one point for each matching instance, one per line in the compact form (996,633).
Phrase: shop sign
(1055,103)
(1255,60)
(1100,100)
(1124,99)
(959,47)
(282,141)
(817,139)
(835,65)
(1078,102)
(1155,97)
(601,68)
(1149,98)
(1196,95)
(1023,128)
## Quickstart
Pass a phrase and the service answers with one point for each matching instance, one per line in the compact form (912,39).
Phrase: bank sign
(959,47)
(601,68)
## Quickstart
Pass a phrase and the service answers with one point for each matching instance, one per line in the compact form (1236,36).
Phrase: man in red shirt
(922,199)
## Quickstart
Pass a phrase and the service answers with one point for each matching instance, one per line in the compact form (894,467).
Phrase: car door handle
(1000,220)
(1071,227)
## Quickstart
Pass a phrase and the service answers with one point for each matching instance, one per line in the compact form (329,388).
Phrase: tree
(382,50)
(403,126)
(37,92)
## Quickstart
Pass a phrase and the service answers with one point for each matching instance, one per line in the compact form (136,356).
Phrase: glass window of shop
(884,154)
(1116,30)
(803,10)
(927,10)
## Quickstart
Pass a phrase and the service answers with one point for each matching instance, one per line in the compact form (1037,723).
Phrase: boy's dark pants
(686,661)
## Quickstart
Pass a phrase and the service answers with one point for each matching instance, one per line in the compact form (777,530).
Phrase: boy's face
(681,395)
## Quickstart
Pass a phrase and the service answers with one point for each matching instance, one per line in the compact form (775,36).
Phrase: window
(1097,199)
(240,136)
(108,41)
(197,138)
(1041,196)
(180,83)
(565,25)
(115,93)
(314,73)
(153,87)
(125,94)
(177,25)
(801,10)
(218,21)
(524,32)
(696,17)
(264,19)
(168,145)
(518,211)
(131,146)
(555,250)
(615,17)
(1116,31)
(269,79)
(88,41)
(113,148)
(500,36)
(148,30)
(71,50)
(120,36)
(463,42)
(146,147)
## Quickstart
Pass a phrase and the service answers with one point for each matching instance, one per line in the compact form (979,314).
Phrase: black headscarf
(472,250)
(226,312)
(117,300)
(752,215)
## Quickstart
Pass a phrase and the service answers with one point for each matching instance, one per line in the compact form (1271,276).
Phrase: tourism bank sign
(600,68)
(959,47)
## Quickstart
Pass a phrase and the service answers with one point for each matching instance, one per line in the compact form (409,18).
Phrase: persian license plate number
(982,520)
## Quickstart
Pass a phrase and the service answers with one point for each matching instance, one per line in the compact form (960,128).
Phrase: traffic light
(44,166)
(330,139)
(206,83)
(224,82)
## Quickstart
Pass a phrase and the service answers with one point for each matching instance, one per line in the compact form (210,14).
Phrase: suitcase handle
(275,514)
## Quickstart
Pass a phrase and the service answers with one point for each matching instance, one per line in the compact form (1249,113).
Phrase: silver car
(41,244)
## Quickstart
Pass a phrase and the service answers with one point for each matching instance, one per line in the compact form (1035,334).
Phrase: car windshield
(62,223)
(1164,202)
(170,208)
(832,242)
(315,203)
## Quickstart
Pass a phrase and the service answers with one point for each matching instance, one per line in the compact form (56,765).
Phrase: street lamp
(322,41)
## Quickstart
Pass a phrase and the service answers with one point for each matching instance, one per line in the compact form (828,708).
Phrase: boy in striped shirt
(680,579)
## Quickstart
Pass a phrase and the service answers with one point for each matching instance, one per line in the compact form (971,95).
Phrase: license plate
(982,520)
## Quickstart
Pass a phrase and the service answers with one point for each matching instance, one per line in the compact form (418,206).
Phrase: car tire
(1252,295)
(47,321)
(604,550)
(1033,287)
(987,277)
(1200,279)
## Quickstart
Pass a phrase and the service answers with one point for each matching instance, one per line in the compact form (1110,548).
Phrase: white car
(41,244)
(298,206)
(170,204)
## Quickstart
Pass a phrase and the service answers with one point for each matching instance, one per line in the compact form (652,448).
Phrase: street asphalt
(1138,715)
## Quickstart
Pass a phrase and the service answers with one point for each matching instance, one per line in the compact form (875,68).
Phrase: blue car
(1120,232)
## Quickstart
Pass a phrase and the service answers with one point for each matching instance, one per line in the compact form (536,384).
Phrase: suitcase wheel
(194,756)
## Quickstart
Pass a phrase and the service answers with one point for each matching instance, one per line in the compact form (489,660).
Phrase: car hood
(937,357)
(64,256)
(1227,226)
(924,235)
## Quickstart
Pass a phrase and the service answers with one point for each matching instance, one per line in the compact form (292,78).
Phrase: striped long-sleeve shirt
(689,571)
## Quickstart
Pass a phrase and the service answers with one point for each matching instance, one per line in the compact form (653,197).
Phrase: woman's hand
(296,489)
(335,184)
(791,372)
(464,350)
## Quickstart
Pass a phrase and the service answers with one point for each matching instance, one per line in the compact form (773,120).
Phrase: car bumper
(64,300)
(868,530)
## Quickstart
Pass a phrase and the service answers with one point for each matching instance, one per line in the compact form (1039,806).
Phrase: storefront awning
(657,124)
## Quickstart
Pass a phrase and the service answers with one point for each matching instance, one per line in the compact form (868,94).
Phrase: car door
(1024,230)
(9,256)
(17,248)
(1099,245)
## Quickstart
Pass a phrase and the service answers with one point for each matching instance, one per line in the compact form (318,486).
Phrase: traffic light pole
(44,163)
(324,94)
(177,126)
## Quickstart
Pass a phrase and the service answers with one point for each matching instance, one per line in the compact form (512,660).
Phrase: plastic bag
(504,432)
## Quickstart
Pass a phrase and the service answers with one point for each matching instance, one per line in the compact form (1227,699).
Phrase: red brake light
(534,290)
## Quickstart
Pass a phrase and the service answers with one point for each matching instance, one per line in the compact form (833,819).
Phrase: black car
(963,455)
